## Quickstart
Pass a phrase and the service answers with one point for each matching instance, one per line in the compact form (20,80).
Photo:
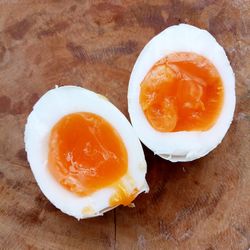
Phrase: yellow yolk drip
(182,92)
(122,197)
(86,153)
(88,210)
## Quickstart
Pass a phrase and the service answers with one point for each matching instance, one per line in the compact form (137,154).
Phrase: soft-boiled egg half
(83,152)
(181,94)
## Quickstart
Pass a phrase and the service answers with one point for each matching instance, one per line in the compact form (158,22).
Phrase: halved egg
(181,94)
(83,152)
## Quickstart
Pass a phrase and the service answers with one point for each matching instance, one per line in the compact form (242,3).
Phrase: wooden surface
(199,205)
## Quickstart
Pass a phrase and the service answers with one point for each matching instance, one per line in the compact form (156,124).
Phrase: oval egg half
(73,137)
(174,141)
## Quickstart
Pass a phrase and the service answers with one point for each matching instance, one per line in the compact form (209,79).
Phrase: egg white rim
(48,110)
(183,145)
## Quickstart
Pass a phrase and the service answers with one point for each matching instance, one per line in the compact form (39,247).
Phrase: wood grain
(94,44)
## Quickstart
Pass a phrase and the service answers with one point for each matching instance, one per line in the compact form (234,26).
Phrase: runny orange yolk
(182,92)
(86,154)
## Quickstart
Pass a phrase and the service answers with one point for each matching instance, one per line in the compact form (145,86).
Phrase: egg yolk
(121,196)
(86,153)
(182,92)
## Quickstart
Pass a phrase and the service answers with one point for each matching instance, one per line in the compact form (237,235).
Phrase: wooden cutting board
(199,205)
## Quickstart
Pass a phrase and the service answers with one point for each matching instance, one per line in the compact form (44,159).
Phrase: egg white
(49,109)
(183,145)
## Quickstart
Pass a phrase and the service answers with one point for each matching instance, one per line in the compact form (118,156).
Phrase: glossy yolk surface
(182,92)
(86,153)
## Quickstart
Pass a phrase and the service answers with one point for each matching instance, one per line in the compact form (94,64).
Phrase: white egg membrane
(46,113)
(183,145)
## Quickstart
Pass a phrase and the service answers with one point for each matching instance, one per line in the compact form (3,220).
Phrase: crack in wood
(115,229)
